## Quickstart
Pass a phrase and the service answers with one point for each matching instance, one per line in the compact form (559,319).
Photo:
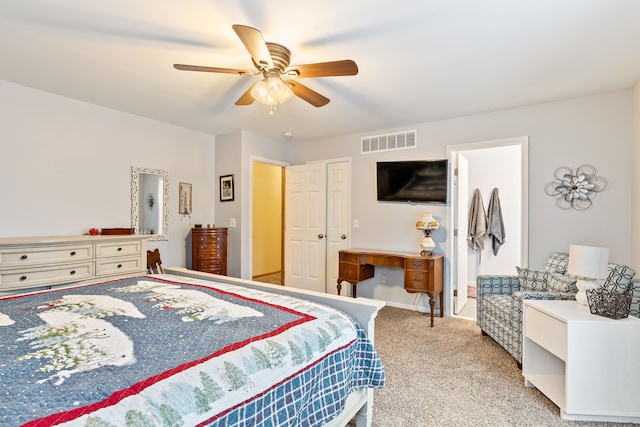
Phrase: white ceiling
(419,60)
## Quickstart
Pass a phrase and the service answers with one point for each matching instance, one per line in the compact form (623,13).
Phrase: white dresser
(31,263)
(586,364)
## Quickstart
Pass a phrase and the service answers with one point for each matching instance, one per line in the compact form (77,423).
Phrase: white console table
(586,364)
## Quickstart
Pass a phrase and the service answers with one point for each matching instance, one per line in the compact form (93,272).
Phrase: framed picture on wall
(184,201)
(226,188)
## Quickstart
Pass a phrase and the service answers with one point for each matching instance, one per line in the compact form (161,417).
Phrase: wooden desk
(421,273)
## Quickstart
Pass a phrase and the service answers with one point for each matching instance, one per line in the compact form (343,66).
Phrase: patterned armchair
(500,297)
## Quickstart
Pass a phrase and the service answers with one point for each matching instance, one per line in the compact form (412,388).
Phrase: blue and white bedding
(172,351)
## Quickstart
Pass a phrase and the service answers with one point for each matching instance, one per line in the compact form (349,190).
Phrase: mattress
(174,351)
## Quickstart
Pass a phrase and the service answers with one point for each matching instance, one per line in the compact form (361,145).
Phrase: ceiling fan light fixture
(272,90)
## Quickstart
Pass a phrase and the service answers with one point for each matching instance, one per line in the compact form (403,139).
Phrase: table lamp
(427,224)
(588,263)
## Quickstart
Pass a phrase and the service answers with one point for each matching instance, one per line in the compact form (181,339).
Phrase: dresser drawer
(106,250)
(110,267)
(209,263)
(348,271)
(346,257)
(26,256)
(209,255)
(417,264)
(45,276)
(209,249)
(210,246)
(417,281)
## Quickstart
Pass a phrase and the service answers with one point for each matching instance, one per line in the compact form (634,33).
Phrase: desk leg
(339,286)
(432,304)
(353,290)
(441,304)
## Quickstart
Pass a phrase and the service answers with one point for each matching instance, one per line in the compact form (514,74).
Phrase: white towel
(477,224)
(495,229)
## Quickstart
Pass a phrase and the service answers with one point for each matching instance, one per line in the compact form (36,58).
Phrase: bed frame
(364,311)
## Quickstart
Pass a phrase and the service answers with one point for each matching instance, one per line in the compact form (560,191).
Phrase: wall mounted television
(415,181)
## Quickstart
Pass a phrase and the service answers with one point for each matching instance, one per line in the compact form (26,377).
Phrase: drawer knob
(119,249)
(72,272)
(73,253)
(119,265)
(23,278)
(23,257)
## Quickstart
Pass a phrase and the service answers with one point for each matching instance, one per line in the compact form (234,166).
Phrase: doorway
(267,223)
(485,166)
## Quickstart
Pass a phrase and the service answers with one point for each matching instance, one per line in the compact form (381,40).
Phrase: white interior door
(461,186)
(338,218)
(305,227)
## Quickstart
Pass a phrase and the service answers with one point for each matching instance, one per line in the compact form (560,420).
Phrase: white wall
(65,166)
(234,153)
(595,130)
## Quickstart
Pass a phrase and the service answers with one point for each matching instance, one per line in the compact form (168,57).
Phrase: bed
(187,348)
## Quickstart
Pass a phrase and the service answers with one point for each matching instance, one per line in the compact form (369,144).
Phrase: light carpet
(451,375)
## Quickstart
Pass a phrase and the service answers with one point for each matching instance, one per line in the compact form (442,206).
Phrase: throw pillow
(557,282)
(557,262)
(618,278)
(532,280)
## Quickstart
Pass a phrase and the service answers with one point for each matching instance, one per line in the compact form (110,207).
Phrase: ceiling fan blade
(345,67)
(246,98)
(212,69)
(253,41)
(309,95)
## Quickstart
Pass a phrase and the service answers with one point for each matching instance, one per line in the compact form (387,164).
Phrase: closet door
(317,218)
(305,227)
(338,218)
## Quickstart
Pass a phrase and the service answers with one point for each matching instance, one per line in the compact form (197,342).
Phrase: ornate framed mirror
(150,202)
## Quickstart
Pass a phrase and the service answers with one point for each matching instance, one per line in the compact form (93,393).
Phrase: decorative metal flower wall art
(575,189)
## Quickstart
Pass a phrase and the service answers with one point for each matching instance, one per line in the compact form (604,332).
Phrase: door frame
(523,141)
(249,222)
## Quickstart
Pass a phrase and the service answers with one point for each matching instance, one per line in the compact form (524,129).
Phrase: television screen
(420,181)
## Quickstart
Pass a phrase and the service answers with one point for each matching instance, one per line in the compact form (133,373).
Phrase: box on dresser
(33,263)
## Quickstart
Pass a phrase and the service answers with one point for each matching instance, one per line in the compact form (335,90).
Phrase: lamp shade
(588,261)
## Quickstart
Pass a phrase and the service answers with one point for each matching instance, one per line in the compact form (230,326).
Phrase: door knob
(344,236)
(320,236)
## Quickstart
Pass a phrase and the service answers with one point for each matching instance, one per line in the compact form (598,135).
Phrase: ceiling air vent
(389,142)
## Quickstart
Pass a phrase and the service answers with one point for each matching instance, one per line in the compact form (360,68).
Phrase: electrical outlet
(383,279)
(232,222)
(356,223)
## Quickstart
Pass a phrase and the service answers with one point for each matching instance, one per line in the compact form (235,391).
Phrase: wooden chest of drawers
(209,250)
(42,262)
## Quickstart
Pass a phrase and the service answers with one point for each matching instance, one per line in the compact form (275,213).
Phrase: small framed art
(226,188)
(184,201)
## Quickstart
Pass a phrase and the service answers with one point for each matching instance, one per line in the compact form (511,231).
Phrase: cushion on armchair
(557,262)
(557,282)
(532,280)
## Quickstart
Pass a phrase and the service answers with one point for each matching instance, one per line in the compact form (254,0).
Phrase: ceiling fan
(272,62)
